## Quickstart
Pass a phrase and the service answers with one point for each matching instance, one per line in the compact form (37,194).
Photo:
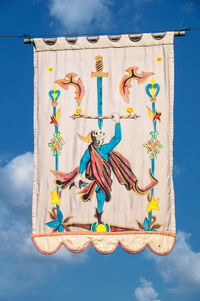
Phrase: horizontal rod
(158,35)
(75,116)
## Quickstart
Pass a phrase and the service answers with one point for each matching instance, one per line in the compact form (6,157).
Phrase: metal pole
(136,36)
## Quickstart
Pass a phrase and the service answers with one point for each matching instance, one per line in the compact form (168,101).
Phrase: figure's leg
(100,199)
(100,202)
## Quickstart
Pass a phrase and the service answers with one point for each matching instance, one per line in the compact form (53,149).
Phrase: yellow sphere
(101,228)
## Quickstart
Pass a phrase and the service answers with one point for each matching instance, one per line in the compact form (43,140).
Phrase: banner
(103,142)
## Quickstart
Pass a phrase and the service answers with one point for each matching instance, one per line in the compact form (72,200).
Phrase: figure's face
(98,138)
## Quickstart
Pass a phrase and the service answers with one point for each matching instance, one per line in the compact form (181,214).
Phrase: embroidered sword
(99,74)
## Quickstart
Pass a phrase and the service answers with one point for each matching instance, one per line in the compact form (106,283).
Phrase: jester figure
(97,163)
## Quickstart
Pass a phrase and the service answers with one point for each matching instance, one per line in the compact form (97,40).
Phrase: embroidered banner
(103,128)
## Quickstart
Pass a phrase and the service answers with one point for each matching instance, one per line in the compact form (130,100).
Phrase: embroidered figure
(97,162)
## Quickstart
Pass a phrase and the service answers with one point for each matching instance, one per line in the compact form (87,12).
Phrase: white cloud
(81,15)
(181,265)
(20,172)
(16,189)
(21,264)
(145,292)
(66,256)
(16,180)
(16,196)
(17,237)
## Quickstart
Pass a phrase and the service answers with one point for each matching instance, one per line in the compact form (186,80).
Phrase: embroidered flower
(78,111)
(149,225)
(57,223)
(153,148)
(159,59)
(56,144)
(153,145)
(129,110)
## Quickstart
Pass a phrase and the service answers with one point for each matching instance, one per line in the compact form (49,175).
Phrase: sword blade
(99,101)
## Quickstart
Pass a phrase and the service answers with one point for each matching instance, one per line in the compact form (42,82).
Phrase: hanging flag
(103,127)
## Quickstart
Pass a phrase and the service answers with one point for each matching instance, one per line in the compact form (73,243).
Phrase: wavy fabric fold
(103,144)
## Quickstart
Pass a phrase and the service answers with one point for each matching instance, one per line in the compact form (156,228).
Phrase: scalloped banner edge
(160,244)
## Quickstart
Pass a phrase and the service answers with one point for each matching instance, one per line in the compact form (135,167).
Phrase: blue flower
(56,224)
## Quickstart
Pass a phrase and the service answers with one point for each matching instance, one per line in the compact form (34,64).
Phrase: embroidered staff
(99,74)
(75,116)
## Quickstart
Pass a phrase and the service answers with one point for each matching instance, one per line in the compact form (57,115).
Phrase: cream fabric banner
(103,127)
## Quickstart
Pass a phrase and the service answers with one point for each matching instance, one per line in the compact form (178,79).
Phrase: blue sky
(25,273)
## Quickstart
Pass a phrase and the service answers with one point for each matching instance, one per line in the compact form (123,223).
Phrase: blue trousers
(100,197)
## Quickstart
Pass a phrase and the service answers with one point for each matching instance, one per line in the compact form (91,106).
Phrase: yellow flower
(153,205)
(129,110)
(78,111)
(159,59)
(55,199)
(50,69)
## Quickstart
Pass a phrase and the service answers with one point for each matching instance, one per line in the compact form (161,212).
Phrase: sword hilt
(99,63)
(99,68)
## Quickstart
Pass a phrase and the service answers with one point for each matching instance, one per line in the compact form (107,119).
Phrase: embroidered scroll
(103,114)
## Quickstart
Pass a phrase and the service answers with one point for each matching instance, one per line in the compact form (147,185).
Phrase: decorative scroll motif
(125,83)
(58,223)
(79,88)
(153,147)
(56,144)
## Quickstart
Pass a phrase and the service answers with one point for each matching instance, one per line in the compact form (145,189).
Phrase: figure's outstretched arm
(108,147)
